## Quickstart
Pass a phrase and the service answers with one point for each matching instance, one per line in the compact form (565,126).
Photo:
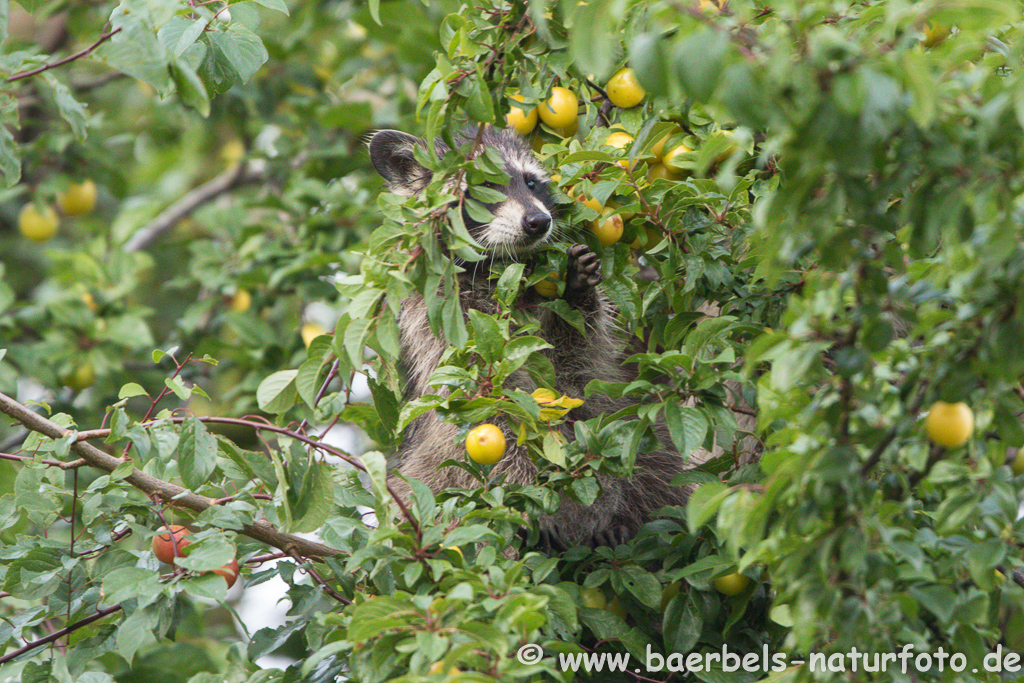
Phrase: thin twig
(61,62)
(56,635)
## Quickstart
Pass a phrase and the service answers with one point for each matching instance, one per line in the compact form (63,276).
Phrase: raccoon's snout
(535,224)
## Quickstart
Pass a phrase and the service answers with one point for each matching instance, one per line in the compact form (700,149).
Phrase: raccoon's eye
(531,184)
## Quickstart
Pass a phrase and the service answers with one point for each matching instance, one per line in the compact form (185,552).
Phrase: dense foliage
(820,227)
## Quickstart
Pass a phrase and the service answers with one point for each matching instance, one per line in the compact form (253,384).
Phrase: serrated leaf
(242,49)
(134,633)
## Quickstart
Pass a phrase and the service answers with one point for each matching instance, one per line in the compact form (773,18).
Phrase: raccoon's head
(520,223)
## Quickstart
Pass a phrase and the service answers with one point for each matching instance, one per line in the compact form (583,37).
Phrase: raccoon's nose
(536,223)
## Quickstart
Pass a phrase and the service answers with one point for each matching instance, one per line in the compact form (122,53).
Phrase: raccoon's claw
(611,537)
(584,270)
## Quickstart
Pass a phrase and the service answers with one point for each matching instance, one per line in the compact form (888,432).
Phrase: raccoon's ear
(391,152)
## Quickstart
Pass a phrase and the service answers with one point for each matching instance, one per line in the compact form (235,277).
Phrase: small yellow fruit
(658,170)
(590,203)
(90,302)
(608,228)
(78,199)
(624,90)
(732,584)
(949,424)
(560,111)
(935,34)
(728,151)
(523,122)
(547,288)
(36,225)
(81,377)
(311,331)
(232,151)
(1017,464)
(673,153)
(620,140)
(485,444)
(658,148)
(241,301)
(438,668)
(593,597)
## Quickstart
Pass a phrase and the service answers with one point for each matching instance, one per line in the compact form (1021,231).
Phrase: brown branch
(61,62)
(73,465)
(242,174)
(157,489)
(56,635)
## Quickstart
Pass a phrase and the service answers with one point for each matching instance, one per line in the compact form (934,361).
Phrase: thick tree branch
(158,489)
(242,174)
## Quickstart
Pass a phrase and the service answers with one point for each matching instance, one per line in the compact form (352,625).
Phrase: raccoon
(520,224)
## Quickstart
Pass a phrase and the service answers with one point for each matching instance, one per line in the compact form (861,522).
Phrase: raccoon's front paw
(584,270)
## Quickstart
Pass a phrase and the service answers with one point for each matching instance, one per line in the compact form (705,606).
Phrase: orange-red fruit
(229,572)
(163,547)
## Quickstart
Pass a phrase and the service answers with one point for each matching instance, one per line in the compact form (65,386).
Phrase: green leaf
(704,503)
(131,389)
(649,61)
(385,403)
(10,160)
(687,427)
(71,110)
(134,633)
(699,59)
(276,394)
(487,335)
(190,88)
(480,105)
(355,340)
(682,623)
(314,506)
(197,455)
(130,582)
(243,50)
(278,5)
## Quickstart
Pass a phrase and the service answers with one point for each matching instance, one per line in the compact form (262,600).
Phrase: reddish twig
(56,635)
(61,62)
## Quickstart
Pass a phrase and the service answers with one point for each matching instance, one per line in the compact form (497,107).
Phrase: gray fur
(625,503)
